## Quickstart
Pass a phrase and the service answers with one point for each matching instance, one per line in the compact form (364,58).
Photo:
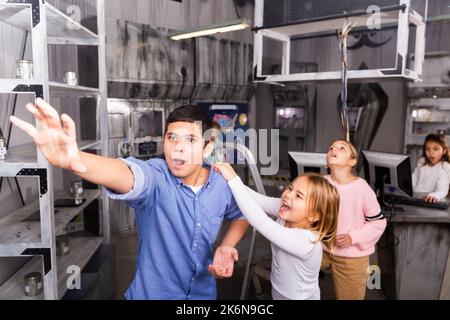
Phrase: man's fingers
(24,126)
(68,125)
(49,111)
(35,111)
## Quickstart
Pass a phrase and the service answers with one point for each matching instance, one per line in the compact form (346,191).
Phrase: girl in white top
(306,216)
(432,174)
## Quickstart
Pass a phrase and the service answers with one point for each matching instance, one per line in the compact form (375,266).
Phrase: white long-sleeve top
(296,253)
(432,180)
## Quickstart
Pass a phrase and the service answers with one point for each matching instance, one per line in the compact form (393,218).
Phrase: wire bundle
(343,35)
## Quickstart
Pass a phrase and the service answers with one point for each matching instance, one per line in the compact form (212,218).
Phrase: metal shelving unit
(400,14)
(19,236)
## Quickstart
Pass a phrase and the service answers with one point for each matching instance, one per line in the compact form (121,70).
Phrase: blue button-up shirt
(176,230)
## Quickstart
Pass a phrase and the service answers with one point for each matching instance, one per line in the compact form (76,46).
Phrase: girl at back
(431,176)
(305,218)
(360,224)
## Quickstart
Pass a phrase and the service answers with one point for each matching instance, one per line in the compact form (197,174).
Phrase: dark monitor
(303,162)
(148,123)
(392,170)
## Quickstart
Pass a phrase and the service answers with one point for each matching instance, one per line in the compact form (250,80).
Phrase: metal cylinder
(70,78)
(3,150)
(76,190)
(62,246)
(33,284)
(24,69)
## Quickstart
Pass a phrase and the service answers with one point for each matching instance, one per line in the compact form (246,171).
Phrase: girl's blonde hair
(323,199)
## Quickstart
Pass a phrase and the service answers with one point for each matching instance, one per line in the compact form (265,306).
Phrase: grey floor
(227,289)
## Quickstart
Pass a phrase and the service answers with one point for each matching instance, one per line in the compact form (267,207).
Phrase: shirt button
(193,279)
(196,198)
(189,296)
(195,244)
(199,225)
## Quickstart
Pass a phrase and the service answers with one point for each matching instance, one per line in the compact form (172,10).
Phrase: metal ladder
(250,159)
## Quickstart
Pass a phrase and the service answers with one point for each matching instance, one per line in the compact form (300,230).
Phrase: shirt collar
(211,176)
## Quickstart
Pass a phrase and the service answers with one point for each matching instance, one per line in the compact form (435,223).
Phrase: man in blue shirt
(180,203)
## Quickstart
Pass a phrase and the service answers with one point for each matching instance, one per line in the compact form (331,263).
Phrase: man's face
(184,148)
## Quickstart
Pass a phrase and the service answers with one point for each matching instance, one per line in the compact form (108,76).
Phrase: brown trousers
(349,275)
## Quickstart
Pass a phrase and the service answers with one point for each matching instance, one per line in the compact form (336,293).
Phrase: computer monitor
(302,162)
(388,169)
(148,123)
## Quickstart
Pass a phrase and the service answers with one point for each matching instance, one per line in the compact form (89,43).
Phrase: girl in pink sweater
(360,224)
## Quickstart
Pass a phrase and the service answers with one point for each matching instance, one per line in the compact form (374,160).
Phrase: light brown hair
(323,200)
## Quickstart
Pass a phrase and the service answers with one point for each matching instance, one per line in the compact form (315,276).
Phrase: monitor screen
(148,124)
(290,118)
(303,162)
(394,170)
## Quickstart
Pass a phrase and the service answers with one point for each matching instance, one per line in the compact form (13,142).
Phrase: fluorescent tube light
(235,25)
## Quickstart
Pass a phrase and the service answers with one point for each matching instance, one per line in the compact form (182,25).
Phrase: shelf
(25,156)
(417,139)
(61,29)
(56,89)
(431,122)
(89,144)
(11,85)
(14,229)
(298,28)
(65,90)
(18,158)
(81,251)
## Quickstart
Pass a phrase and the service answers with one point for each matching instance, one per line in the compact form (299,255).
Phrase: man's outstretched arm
(56,138)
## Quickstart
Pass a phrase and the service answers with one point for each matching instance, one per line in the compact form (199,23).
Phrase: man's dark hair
(189,113)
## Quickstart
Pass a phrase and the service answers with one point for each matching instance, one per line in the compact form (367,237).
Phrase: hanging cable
(343,35)
(236,10)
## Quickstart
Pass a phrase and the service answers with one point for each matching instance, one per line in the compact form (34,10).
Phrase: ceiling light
(235,25)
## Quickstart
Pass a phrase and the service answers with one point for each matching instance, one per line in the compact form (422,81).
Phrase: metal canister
(33,284)
(24,69)
(70,78)
(62,246)
(76,190)
(3,150)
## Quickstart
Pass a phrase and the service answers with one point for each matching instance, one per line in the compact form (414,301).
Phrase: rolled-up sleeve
(143,183)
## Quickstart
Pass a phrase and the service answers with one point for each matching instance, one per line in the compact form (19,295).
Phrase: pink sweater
(360,216)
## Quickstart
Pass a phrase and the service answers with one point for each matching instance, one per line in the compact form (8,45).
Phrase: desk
(414,255)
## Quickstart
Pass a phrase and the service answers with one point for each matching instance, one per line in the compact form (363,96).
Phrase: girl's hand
(226,170)
(344,240)
(431,199)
